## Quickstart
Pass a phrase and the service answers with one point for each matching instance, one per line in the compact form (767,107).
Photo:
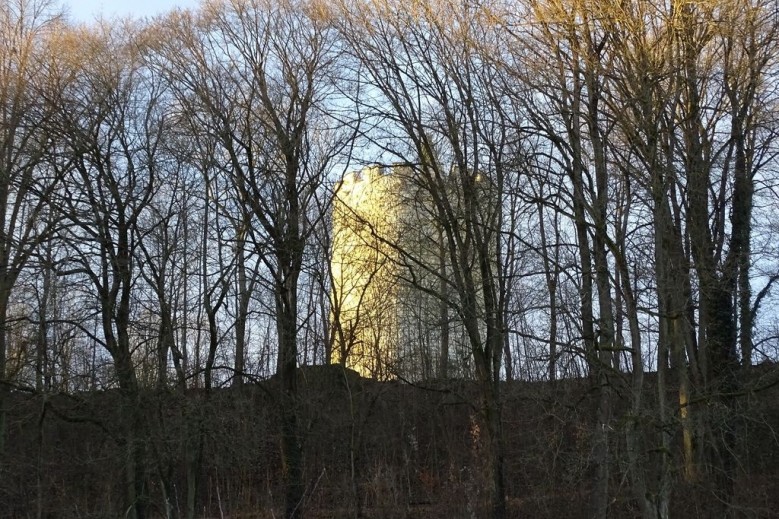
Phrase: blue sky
(89,10)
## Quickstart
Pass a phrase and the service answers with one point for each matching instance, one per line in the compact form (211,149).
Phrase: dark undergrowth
(372,450)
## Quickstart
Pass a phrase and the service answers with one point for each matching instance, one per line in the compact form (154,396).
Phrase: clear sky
(89,10)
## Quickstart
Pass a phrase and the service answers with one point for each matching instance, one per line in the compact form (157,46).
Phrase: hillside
(371,449)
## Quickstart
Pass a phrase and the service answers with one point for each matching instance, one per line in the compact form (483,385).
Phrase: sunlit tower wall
(391,294)
(364,299)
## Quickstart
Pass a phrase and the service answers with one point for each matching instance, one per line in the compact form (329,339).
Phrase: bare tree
(110,121)
(570,34)
(439,115)
(256,75)
(27,86)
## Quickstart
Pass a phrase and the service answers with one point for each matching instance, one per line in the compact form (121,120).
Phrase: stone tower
(364,296)
(392,299)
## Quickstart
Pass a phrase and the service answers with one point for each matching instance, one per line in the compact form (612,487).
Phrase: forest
(170,340)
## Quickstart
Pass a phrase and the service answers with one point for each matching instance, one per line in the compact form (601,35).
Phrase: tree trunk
(443,309)
(242,311)
(4,382)
(497,455)
(286,323)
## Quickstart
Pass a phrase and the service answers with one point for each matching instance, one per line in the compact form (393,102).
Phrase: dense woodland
(166,189)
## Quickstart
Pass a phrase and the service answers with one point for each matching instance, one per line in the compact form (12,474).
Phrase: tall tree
(112,123)
(571,35)
(257,75)
(28,87)
(439,115)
